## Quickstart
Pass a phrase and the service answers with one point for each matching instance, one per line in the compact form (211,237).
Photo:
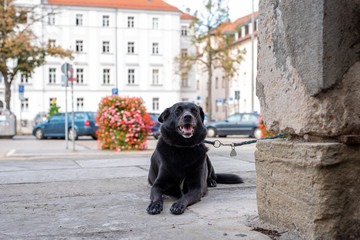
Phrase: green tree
(54,109)
(20,50)
(214,47)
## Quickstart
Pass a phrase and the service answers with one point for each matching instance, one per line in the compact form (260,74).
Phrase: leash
(218,143)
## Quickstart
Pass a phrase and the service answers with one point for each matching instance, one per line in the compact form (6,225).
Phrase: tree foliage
(214,47)
(21,52)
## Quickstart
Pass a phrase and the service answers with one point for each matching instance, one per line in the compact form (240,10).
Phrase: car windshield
(92,115)
(234,118)
(154,117)
(56,118)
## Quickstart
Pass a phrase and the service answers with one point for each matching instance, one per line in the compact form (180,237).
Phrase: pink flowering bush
(123,123)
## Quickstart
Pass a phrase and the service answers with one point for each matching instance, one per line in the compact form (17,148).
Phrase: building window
(25,105)
(79,20)
(184,52)
(130,22)
(52,43)
(131,76)
(184,80)
(246,29)
(223,82)
(216,82)
(106,21)
(131,47)
(106,47)
(51,19)
(24,78)
(80,75)
(106,76)
(155,48)
(155,23)
(155,104)
(52,75)
(80,104)
(79,46)
(184,30)
(155,77)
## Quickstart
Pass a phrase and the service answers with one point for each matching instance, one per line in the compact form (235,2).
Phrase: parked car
(41,117)
(236,124)
(85,125)
(155,125)
(206,118)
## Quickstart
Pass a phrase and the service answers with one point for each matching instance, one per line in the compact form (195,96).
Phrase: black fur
(180,166)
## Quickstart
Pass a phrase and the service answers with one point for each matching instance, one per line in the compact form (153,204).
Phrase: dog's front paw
(155,207)
(177,208)
(211,183)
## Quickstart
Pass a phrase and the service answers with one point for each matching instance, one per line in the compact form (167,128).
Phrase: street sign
(21,92)
(64,81)
(21,88)
(66,69)
(115,91)
(219,101)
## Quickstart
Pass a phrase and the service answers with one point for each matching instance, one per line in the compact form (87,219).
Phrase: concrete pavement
(50,193)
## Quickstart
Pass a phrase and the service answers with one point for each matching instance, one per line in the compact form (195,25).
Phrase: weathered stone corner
(310,188)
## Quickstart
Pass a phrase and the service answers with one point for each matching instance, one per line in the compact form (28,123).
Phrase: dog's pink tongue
(188,129)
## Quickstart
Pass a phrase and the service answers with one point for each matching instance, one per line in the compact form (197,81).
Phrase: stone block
(308,66)
(310,188)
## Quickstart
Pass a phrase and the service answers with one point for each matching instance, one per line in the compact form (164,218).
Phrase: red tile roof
(231,26)
(186,16)
(129,4)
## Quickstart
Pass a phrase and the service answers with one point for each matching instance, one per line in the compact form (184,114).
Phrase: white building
(241,83)
(127,45)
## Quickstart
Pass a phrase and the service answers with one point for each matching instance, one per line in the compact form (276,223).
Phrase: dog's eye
(178,111)
(194,111)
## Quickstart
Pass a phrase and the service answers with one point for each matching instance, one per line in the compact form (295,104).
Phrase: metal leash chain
(218,144)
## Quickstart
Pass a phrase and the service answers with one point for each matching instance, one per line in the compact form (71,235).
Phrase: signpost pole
(66,116)
(72,117)
(67,70)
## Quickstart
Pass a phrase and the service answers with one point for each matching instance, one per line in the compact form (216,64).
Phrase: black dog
(180,166)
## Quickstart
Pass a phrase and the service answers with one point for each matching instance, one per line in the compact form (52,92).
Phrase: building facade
(125,45)
(236,94)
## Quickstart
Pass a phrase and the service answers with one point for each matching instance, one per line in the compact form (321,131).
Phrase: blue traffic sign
(114,91)
(21,88)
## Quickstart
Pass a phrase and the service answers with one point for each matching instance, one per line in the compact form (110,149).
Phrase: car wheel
(73,134)
(211,132)
(94,137)
(256,133)
(39,134)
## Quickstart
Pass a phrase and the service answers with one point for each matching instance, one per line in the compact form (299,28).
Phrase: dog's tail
(228,178)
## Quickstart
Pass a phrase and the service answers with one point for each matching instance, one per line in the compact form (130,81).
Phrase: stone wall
(308,66)
(310,188)
(308,84)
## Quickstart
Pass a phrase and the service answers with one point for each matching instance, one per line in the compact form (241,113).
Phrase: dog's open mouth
(186,130)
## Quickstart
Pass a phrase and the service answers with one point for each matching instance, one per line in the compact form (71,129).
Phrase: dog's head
(183,124)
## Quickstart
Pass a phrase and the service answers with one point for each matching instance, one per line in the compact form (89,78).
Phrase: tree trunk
(7,91)
(209,87)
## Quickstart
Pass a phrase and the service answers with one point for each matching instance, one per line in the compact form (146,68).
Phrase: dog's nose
(187,117)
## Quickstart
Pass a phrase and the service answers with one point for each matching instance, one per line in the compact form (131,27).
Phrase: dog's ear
(202,114)
(164,115)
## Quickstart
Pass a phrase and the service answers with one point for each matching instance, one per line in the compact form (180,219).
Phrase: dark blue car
(236,124)
(155,125)
(84,125)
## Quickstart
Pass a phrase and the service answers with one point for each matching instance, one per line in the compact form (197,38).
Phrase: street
(50,193)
